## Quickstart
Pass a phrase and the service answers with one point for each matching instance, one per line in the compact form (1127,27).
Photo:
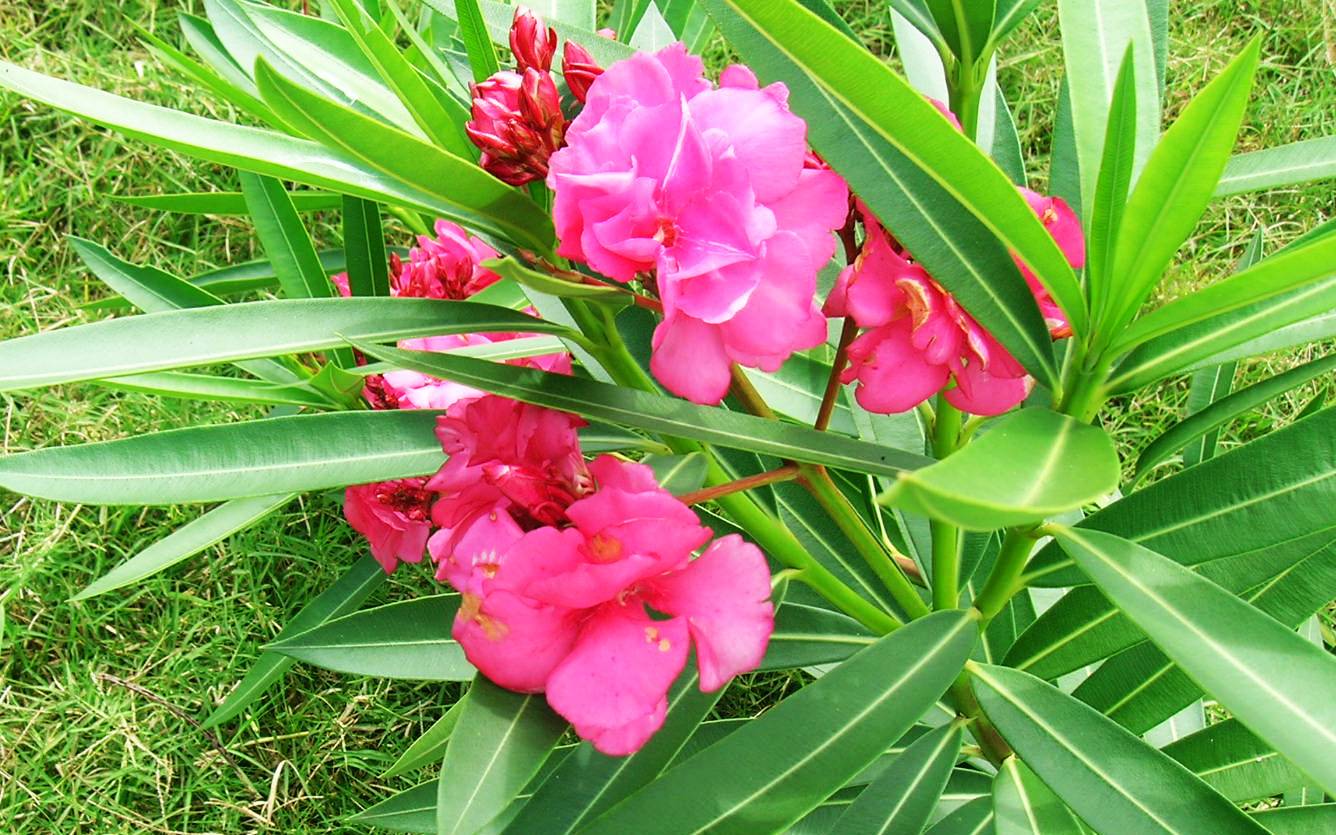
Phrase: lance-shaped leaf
(1287,165)
(215,463)
(229,332)
(411,810)
(805,636)
(1030,466)
(1233,761)
(224,389)
(903,797)
(249,276)
(1226,409)
(1023,805)
(347,593)
(477,42)
(772,771)
(1111,185)
(1096,37)
(937,192)
(1274,491)
(652,412)
(286,242)
(1113,780)
(1176,186)
(1272,680)
(1298,820)
(499,744)
(429,748)
(408,640)
(678,474)
(267,152)
(186,541)
(474,194)
(364,242)
(560,287)
(588,783)
(223,203)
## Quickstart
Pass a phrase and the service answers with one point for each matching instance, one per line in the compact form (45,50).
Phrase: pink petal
(761,132)
(514,642)
(689,359)
(613,685)
(893,376)
(725,598)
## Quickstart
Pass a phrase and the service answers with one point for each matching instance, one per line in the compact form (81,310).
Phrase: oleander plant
(662,373)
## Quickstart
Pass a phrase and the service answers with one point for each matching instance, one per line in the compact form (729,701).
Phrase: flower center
(666,234)
(604,548)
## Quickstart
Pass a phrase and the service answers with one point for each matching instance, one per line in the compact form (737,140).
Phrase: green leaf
(477,43)
(1269,678)
(240,96)
(230,461)
(1286,165)
(902,798)
(411,810)
(806,636)
(1113,780)
(429,748)
(223,203)
(1233,761)
(1112,182)
(914,169)
(1204,388)
(1226,409)
(186,541)
(773,770)
(917,14)
(1275,490)
(1029,466)
(1176,187)
(249,276)
(223,389)
(678,474)
(652,412)
(1009,15)
(405,640)
(1298,820)
(286,242)
(1096,36)
(347,593)
(277,155)
(500,742)
(974,817)
(364,241)
(202,37)
(1291,269)
(1023,805)
(652,33)
(575,12)
(588,783)
(226,333)
(964,26)
(553,286)
(439,116)
(626,16)
(467,194)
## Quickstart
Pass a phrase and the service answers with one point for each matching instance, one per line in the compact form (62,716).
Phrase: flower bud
(532,44)
(517,122)
(579,69)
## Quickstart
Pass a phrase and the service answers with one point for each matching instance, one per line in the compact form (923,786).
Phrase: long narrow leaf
(1287,165)
(364,242)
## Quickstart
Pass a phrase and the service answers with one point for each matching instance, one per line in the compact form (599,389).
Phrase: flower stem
(945,536)
(705,494)
(1003,582)
(748,396)
(818,482)
(832,392)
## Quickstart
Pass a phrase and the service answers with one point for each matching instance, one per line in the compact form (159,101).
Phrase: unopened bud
(532,43)
(579,68)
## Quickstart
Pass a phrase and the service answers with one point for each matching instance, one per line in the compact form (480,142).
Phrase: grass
(97,698)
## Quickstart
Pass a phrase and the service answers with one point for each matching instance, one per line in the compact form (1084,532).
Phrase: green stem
(945,536)
(1004,581)
(994,747)
(818,482)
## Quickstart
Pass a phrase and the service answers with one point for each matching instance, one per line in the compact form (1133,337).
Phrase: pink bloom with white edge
(706,189)
(394,516)
(572,611)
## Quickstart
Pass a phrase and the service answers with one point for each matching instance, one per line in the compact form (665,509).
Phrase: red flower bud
(517,122)
(579,69)
(532,44)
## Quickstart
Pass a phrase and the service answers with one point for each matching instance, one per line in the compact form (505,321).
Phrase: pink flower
(518,124)
(579,69)
(707,189)
(568,610)
(919,340)
(394,516)
(532,44)
(1065,228)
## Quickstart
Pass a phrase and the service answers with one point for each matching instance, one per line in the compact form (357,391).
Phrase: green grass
(97,698)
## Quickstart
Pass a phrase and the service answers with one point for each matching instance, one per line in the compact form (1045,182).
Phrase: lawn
(99,700)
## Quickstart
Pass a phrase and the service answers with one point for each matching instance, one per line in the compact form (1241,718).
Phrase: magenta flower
(518,124)
(394,516)
(579,69)
(568,611)
(1065,228)
(706,190)
(532,43)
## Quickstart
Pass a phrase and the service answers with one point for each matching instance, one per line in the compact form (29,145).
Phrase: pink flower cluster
(579,581)
(918,340)
(703,193)
(395,516)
